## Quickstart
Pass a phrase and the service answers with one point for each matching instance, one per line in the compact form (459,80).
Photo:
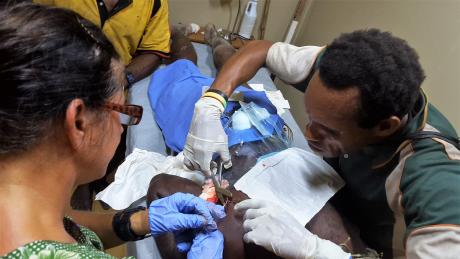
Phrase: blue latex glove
(209,245)
(184,239)
(178,212)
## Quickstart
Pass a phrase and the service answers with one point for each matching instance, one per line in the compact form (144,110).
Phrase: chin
(329,154)
(326,154)
(92,176)
(320,152)
(100,174)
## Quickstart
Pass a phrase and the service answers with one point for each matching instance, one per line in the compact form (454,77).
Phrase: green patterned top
(88,246)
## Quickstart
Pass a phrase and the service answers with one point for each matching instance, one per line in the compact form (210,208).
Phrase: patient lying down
(326,224)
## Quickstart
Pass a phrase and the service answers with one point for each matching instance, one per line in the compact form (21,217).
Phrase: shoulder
(430,189)
(290,63)
(438,121)
(49,250)
(82,234)
(430,184)
(158,9)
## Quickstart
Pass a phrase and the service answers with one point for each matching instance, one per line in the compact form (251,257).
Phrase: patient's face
(332,129)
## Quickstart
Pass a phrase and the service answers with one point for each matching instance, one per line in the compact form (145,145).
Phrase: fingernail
(228,164)
(220,210)
(183,247)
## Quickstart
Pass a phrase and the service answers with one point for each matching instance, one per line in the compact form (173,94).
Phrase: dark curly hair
(385,69)
(48,57)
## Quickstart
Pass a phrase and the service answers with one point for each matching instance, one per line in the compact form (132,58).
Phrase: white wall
(223,12)
(431,27)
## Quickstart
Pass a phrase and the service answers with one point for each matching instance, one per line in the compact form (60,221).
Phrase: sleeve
(290,63)
(437,241)
(431,201)
(157,35)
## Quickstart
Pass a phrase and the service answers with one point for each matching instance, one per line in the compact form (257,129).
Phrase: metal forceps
(220,192)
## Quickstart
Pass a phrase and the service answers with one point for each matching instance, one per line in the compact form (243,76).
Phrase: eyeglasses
(130,114)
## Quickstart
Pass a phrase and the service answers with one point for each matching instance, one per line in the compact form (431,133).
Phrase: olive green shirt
(405,195)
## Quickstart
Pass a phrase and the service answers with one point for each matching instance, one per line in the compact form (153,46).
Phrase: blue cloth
(175,89)
(273,124)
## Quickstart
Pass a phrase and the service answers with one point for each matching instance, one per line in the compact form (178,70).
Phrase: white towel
(298,181)
(133,177)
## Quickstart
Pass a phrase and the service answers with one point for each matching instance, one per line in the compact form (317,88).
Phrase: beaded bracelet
(217,97)
(219,92)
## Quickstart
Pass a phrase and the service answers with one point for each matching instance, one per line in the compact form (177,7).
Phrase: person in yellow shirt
(140,33)
(139,30)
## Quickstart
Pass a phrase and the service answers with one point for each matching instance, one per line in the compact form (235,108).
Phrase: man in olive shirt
(369,118)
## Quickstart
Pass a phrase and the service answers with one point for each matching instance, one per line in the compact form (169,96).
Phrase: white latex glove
(206,136)
(268,225)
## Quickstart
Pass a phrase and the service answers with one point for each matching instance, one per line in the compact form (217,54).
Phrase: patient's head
(253,133)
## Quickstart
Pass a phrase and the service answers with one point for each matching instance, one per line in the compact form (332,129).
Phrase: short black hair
(48,57)
(385,69)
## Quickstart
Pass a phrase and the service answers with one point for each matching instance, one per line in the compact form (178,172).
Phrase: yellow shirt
(130,26)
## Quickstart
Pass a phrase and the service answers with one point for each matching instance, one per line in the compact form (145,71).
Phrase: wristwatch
(130,79)
(121,225)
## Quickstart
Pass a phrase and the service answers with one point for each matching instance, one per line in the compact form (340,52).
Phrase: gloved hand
(206,136)
(268,225)
(181,211)
(207,245)
(184,239)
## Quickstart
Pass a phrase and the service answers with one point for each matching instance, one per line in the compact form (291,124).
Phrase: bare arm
(101,224)
(143,65)
(242,66)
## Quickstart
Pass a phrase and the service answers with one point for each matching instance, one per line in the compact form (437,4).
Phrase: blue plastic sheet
(175,89)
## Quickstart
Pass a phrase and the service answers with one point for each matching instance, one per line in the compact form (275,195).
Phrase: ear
(76,123)
(387,127)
